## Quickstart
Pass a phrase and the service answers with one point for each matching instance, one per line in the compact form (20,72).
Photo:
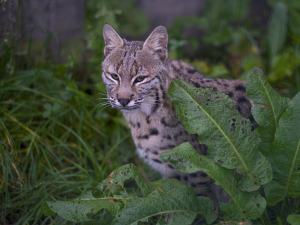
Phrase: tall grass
(58,137)
(54,142)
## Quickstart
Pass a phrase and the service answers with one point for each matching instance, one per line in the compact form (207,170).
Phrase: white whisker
(102,93)
(102,106)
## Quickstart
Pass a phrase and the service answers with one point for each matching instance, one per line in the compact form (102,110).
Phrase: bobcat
(137,76)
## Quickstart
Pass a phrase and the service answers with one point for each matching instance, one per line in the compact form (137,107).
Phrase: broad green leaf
(168,196)
(82,209)
(277,29)
(182,218)
(120,175)
(242,206)
(180,199)
(212,116)
(285,156)
(46,210)
(294,219)
(268,107)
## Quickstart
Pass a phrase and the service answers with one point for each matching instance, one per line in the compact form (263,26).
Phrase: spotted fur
(154,125)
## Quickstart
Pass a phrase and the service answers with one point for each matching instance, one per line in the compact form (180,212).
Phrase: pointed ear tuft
(158,42)
(112,39)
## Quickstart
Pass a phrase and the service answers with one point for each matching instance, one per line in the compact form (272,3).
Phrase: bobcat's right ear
(112,39)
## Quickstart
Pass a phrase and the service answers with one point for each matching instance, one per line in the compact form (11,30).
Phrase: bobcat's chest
(155,134)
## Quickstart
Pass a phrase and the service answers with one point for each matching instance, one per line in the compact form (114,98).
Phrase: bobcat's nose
(123,101)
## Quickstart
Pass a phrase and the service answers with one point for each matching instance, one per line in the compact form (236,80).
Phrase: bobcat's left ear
(158,42)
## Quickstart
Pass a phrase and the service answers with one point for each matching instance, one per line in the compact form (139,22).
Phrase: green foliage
(269,107)
(277,29)
(51,138)
(159,198)
(284,156)
(242,206)
(234,162)
(54,142)
(54,145)
(294,219)
(234,39)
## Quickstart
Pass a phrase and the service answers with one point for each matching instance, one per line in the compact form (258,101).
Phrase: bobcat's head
(135,73)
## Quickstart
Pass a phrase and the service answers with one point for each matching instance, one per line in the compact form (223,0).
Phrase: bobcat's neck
(139,120)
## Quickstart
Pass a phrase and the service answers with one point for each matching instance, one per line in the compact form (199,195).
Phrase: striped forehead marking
(129,64)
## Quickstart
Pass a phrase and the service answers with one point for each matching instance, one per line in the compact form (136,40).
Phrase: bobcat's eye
(139,79)
(115,76)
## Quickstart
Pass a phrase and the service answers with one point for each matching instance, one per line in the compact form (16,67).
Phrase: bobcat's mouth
(132,105)
(128,109)
(124,108)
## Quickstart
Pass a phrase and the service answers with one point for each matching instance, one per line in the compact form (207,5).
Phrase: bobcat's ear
(112,39)
(158,42)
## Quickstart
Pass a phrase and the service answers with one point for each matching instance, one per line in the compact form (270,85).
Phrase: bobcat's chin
(125,108)
(128,109)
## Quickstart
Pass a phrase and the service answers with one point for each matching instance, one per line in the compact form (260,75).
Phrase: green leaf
(47,112)
(229,138)
(268,107)
(285,156)
(277,29)
(294,219)
(182,218)
(284,65)
(180,199)
(46,210)
(84,208)
(56,107)
(242,206)
(168,196)
(119,176)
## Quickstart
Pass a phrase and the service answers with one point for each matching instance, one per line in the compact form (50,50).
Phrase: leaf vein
(267,94)
(291,170)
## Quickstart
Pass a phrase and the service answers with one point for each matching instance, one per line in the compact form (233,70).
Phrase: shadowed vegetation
(58,136)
